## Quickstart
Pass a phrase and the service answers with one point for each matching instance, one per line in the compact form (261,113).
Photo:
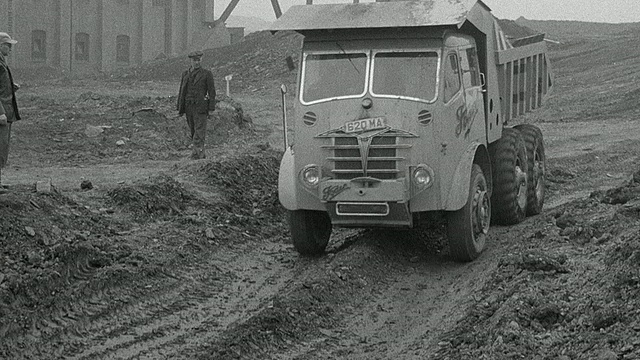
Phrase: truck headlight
(423,176)
(310,175)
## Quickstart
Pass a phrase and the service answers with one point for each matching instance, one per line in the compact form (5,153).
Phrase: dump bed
(523,75)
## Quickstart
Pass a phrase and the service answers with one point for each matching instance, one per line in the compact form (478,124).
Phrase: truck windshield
(406,74)
(333,75)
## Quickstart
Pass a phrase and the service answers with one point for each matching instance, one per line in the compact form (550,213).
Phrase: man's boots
(197,153)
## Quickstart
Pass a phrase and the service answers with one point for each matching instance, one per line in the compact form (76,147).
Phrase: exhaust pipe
(283,91)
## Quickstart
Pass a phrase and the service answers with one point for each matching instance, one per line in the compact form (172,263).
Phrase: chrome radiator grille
(378,157)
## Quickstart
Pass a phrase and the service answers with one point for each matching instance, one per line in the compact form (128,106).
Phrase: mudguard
(287,181)
(458,192)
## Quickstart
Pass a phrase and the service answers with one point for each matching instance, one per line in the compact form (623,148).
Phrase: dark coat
(204,88)
(8,104)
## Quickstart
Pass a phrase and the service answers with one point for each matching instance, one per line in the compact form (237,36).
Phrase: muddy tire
(310,231)
(536,163)
(510,186)
(467,228)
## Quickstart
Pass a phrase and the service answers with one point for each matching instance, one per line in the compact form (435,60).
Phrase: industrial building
(87,36)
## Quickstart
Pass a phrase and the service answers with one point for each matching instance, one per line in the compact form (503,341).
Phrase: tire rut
(166,315)
(196,314)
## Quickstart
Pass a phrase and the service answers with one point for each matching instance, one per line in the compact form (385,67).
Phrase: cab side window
(451,76)
(470,70)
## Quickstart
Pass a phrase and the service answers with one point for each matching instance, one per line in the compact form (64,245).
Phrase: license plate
(365,125)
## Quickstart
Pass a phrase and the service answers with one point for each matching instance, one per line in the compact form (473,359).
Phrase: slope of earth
(569,30)
(162,258)
(254,63)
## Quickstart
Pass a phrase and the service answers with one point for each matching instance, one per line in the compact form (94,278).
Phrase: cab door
(450,136)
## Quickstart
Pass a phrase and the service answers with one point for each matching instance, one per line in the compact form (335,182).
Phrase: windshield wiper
(348,57)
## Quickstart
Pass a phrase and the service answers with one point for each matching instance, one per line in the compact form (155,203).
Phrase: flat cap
(5,38)
(195,54)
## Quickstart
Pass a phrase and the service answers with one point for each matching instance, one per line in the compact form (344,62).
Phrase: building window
(38,45)
(122,48)
(82,46)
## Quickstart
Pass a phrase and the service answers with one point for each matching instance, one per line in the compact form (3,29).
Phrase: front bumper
(364,203)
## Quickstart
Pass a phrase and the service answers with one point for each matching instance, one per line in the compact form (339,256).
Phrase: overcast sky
(611,11)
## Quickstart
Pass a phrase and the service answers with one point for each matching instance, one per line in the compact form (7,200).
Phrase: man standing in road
(8,105)
(196,99)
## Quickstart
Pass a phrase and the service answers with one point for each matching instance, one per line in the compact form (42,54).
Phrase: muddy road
(164,258)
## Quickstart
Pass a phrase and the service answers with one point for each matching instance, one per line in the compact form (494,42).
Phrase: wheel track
(195,316)
(162,313)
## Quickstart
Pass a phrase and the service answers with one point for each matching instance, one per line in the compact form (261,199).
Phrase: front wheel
(310,231)
(467,228)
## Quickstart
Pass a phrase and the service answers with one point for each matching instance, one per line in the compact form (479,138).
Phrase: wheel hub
(481,212)
(521,180)
(538,173)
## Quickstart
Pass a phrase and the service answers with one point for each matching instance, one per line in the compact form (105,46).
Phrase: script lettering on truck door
(466,118)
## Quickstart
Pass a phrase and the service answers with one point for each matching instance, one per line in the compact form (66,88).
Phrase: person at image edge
(8,105)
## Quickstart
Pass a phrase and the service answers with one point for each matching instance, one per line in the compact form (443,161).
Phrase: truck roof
(388,14)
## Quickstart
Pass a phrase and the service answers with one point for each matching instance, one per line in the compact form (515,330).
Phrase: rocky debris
(93,131)
(147,112)
(559,175)
(44,186)
(565,220)
(86,185)
(619,195)
(161,196)
(29,230)
(538,261)
(229,105)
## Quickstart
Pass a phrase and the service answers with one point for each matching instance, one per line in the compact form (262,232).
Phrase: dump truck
(403,109)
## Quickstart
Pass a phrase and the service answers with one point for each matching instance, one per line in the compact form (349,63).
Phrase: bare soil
(139,253)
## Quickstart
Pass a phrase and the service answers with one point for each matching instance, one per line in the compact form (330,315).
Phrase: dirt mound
(570,290)
(161,197)
(55,251)
(248,186)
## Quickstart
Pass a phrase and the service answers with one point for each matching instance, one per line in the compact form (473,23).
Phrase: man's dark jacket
(203,88)
(8,104)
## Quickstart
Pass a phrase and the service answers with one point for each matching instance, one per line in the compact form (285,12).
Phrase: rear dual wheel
(536,163)
(510,184)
